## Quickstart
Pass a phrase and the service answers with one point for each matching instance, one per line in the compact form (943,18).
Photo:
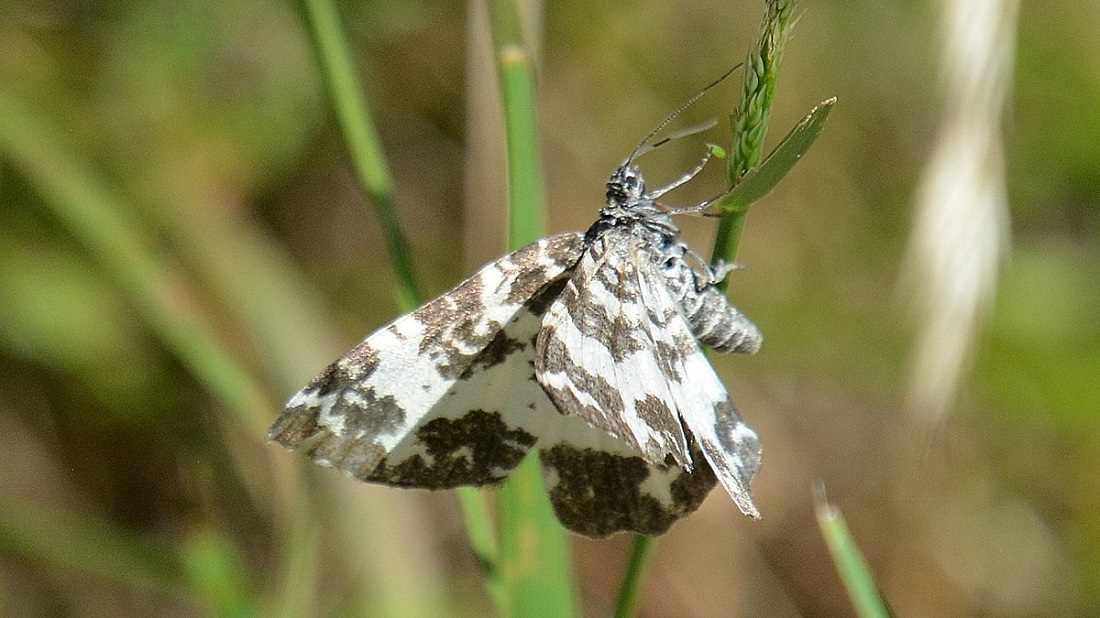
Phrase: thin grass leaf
(345,88)
(483,542)
(630,591)
(342,82)
(534,551)
(853,569)
(99,218)
(91,547)
(759,181)
(527,213)
(216,572)
(294,594)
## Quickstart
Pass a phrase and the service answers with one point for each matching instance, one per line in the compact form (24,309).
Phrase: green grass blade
(100,220)
(369,160)
(87,546)
(750,122)
(853,569)
(217,573)
(630,591)
(294,589)
(483,542)
(534,550)
(759,181)
(534,553)
(345,88)
(527,220)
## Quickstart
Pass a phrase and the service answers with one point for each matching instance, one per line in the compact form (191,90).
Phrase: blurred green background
(183,245)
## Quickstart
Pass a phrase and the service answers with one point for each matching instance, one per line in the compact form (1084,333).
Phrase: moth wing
(443,396)
(728,444)
(601,357)
(599,485)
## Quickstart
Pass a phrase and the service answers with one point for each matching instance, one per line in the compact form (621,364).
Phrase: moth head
(626,186)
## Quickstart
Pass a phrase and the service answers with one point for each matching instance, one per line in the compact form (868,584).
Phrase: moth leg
(713,320)
(657,193)
(712,274)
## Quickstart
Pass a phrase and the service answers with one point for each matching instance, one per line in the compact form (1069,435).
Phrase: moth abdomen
(720,325)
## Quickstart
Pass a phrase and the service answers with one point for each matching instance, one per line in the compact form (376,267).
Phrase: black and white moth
(584,345)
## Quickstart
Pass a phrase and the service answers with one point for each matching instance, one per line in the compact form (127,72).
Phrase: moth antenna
(638,150)
(675,135)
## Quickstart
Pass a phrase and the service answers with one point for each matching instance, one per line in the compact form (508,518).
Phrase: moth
(583,346)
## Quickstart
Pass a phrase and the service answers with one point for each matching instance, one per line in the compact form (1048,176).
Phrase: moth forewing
(731,448)
(599,354)
(439,397)
(702,403)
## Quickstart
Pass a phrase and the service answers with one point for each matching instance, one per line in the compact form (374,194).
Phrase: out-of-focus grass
(534,564)
(858,579)
(96,218)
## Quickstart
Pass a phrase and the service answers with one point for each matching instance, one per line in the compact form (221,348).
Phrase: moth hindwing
(584,345)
